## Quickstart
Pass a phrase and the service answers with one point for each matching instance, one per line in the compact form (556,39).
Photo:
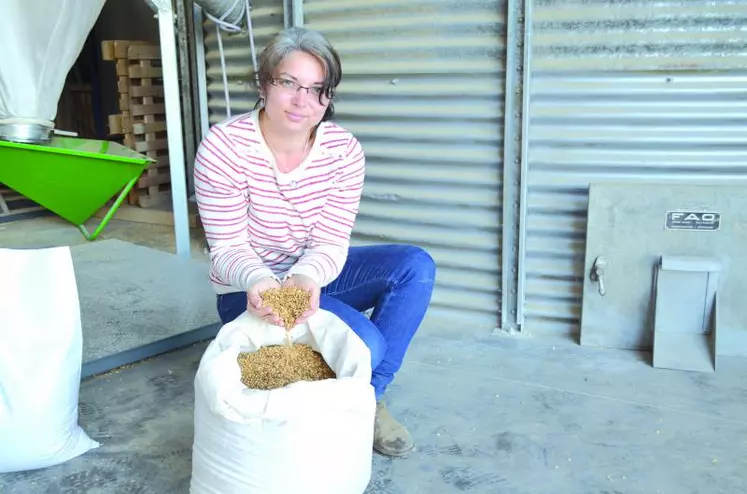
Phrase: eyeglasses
(289,86)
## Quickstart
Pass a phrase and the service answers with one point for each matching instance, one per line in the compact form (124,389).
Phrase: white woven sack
(40,360)
(309,437)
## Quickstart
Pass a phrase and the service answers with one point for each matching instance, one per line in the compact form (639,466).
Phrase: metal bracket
(158,6)
(515,145)
(4,209)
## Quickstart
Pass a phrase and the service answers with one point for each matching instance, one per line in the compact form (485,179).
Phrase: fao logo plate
(693,220)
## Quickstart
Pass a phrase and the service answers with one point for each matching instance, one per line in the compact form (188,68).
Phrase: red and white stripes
(260,222)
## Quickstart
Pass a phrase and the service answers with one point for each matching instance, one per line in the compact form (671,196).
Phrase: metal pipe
(201,70)
(287,13)
(174,129)
(297,13)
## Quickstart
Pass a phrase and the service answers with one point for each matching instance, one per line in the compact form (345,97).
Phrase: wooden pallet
(142,118)
(75,110)
(15,206)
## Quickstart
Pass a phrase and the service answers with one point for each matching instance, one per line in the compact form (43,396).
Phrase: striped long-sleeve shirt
(260,222)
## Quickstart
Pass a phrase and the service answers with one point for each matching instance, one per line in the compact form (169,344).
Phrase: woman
(278,191)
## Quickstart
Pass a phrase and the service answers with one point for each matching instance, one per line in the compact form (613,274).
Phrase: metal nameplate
(693,220)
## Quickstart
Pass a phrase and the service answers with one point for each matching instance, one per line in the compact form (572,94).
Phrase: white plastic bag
(40,360)
(309,437)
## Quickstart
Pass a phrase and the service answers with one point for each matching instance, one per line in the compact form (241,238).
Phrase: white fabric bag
(40,360)
(41,41)
(309,437)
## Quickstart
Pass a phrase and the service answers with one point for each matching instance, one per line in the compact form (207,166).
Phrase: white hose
(222,24)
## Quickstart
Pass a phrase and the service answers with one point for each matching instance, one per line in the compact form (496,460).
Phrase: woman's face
(292,108)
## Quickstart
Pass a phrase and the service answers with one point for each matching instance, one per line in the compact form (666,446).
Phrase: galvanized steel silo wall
(623,90)
(267,21)
(423,91)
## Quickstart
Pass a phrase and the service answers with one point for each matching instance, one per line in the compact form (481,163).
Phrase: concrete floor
(50,231)
(133,292)
(490,414)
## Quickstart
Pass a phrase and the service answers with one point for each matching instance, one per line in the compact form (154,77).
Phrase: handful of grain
(287,302)
(276,366)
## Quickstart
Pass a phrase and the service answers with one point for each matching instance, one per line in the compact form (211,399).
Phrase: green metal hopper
(72,177)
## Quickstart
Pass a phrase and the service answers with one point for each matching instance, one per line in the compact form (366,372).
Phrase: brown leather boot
(390,437)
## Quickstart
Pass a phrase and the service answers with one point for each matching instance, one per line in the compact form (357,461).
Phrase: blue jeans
(395,280)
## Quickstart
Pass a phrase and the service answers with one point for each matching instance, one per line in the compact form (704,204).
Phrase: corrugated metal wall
(267,20)
(623,90)
(423,91)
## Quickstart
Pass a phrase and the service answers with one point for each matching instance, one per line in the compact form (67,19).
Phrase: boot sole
(393,454)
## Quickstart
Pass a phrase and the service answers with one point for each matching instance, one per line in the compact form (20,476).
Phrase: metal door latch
(597,273)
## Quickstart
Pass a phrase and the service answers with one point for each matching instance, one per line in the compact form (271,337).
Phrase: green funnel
(72,177)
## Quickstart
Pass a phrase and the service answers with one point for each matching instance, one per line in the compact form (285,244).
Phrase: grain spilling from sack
(287,302)
(273,367)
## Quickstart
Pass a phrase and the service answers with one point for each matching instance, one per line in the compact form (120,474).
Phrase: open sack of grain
(41,345)
(311,436)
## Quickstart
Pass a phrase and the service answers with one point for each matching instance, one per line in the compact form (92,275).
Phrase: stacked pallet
(75,109)
(14,206)
(142,118)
